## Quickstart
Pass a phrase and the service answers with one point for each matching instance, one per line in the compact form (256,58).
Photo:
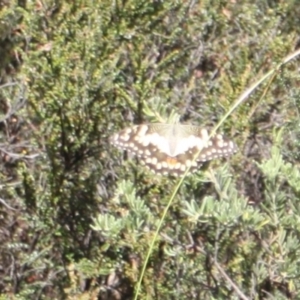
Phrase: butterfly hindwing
(172,148)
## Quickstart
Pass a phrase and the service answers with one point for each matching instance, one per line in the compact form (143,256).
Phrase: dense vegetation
(77,217)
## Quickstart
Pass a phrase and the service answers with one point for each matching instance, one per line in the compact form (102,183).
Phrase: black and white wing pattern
(172,148)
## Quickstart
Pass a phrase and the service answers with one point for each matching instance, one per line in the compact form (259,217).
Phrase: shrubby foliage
(77,219)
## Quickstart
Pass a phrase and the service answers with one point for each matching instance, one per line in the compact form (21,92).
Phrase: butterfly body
(172,148)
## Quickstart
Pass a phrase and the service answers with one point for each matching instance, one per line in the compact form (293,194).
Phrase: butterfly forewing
(172,148)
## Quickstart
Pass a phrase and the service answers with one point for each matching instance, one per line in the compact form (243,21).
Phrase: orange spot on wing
(171,160)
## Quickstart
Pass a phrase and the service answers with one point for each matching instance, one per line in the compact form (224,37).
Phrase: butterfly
(172,148)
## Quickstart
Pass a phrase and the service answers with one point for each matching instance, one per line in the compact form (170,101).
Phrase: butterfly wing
(206,148)
(172,148)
